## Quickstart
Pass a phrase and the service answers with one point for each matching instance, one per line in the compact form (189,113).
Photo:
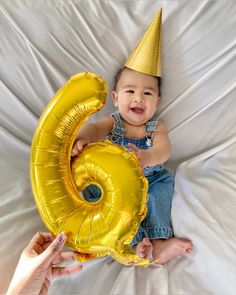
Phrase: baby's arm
(159,152)
(92,132)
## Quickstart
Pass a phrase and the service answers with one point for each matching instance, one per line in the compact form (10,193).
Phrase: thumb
(54,248)
(133,147)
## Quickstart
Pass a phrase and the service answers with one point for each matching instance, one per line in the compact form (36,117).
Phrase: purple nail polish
(61,238)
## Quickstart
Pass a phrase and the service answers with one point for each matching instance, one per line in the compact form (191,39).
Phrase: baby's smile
(137,110)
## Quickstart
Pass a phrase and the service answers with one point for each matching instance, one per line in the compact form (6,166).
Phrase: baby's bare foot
(165,250)
(144,249)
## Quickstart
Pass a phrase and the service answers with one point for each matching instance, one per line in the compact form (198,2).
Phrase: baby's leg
(144,249)
(165,250)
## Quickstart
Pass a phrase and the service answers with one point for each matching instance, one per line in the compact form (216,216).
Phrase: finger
(147,242)
(54,248)
(74,151)
(59,272)
(80,145)
(64,257)
(133,147)
(45,287)
(46,245)
(38,239)
(46,236)
(38,249)
(77,148)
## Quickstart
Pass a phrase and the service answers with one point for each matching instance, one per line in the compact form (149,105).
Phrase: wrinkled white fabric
(43,43)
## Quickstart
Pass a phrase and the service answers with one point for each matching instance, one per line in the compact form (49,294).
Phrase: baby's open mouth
(137,110)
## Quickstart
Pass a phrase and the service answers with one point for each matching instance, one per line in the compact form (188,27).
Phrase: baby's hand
(137,152)
(78,146)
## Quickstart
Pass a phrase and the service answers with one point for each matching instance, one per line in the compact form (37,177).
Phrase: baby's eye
(147,93)
(130,91)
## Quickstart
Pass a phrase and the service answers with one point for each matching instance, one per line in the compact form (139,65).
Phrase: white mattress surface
(43,43)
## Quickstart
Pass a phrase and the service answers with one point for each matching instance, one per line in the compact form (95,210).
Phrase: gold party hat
(146,56)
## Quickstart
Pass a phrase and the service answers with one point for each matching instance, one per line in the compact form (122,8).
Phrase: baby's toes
(140,249)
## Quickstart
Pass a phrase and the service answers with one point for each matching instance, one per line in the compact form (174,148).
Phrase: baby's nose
(138,98)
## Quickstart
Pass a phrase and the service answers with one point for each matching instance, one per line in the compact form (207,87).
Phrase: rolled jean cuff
(152,233)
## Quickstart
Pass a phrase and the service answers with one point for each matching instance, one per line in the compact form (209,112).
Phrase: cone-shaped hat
(146,56)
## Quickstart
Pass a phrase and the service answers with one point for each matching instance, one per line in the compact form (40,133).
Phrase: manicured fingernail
(61,238)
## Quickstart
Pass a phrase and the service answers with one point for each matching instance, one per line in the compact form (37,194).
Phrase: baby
(134,125)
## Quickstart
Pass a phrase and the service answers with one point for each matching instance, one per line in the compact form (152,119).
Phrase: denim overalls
(157,223)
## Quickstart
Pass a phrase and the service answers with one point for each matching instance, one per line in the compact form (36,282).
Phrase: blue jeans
(157,223)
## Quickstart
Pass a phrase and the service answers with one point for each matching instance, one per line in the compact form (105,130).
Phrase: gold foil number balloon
(104,227)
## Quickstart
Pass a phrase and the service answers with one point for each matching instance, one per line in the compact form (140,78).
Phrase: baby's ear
(114,98)
(158,100)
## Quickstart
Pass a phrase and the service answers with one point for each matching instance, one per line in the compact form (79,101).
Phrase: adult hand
(38,265)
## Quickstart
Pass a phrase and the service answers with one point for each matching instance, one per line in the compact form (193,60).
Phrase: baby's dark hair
(117,78)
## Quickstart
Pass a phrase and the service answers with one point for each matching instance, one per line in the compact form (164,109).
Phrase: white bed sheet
(43,43)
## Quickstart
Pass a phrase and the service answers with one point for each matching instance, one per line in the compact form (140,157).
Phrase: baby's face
(136,97)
